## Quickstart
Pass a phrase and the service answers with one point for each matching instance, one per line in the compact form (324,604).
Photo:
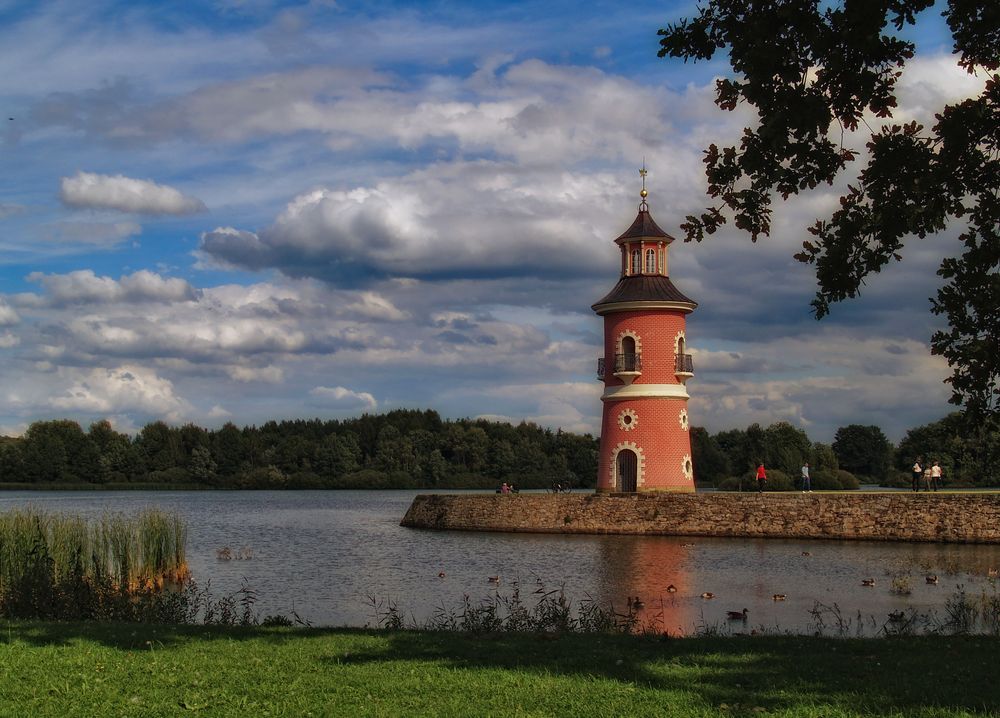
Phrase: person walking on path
(917,473)
(936,475)
(761,478)
(927,478)
(806,482)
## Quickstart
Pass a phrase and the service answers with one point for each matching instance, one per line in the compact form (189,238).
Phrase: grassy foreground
(88,669)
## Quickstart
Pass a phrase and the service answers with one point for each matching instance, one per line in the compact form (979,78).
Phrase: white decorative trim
(677,342)
(645,391)
(640,464)
(628,420)
(687,467)
(628,333)
(683,419)
(686,307)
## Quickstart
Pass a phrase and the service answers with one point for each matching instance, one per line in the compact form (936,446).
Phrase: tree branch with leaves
(814,72)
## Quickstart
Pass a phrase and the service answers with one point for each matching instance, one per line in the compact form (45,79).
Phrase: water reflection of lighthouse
(645,567)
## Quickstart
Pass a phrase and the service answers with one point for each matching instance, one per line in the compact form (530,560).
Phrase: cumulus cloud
(85,287)
(338,397)
(434,224)
(125,194)
(8,317)
(127,388)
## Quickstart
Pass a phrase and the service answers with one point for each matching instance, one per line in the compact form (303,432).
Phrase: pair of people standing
(762,478)
(931,476)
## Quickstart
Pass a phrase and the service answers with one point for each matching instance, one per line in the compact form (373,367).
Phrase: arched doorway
(628,468)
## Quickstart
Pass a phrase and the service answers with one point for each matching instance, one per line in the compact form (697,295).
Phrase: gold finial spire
(643,193)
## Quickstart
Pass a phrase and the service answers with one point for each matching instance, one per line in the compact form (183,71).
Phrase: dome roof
(645,288)
(644,227)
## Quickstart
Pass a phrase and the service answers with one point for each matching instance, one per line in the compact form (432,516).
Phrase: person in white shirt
(936,475)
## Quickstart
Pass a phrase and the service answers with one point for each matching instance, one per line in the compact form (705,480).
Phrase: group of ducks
(932,579)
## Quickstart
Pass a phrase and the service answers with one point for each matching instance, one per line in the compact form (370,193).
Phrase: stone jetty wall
(958,518)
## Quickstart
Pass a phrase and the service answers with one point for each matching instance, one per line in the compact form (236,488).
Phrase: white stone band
(642,391)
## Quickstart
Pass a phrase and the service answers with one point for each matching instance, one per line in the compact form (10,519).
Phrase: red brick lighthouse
(645,442)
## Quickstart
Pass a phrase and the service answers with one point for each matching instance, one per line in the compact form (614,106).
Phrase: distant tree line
(968,452)
(399,449)
(409,448)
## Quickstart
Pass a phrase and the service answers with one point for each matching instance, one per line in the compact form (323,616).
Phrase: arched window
(663,267)
(650,261)
(636,261)
(628,354)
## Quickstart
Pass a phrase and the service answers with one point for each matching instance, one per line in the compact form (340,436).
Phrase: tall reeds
(63,566)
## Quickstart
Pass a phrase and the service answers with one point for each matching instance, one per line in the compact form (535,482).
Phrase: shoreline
(958,517)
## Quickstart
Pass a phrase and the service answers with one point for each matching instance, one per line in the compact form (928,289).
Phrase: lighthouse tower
(645,442)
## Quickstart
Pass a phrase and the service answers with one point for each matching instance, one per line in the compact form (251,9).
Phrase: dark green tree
(788,447)
(710,462)
(863,450)
(59,451)
(812,70)
(823,457)
(969,452)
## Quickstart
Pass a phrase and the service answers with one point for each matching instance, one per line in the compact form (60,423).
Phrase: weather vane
(643,193)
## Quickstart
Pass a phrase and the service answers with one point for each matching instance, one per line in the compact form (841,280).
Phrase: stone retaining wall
(958,518)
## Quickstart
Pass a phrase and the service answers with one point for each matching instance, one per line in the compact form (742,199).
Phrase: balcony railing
(628,362)
(624,363)
(684,364)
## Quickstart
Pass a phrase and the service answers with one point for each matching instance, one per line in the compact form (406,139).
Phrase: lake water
(324,553)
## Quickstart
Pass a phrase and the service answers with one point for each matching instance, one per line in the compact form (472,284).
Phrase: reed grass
(60,566)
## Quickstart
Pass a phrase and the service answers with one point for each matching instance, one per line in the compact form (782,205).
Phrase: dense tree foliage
(969,454)
(814,70)
(863,450)
(397,449)
(417,449)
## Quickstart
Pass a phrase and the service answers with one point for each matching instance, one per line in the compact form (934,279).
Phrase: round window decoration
(628,419)
(683,419)
(687,467)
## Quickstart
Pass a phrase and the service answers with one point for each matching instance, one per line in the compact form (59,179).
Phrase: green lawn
(56,669)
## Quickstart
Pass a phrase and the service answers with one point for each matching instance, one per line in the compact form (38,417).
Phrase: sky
(251,210)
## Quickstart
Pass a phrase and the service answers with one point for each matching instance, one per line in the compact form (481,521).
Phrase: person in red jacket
(761,478)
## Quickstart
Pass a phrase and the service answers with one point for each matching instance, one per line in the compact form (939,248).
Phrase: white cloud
(374,305)
(338,397)
(85,287)
(8,317)
(125,194)
(126,388)
(8,340)
(266,374)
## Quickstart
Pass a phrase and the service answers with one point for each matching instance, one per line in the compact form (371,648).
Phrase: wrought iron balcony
(628,363)
(684,364)
(624,364)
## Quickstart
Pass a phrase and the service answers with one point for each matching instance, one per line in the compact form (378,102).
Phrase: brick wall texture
(661,442)
(957,518)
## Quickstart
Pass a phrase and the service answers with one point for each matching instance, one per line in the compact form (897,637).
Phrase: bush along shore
(115,568)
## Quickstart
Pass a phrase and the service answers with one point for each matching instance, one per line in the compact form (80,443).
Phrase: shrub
(778,480)
(848,481)
(825,480)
